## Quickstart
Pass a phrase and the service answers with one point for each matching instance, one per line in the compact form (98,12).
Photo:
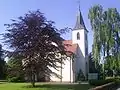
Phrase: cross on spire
(79,22)
(78,4)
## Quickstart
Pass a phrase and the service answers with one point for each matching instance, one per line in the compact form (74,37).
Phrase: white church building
(79,47)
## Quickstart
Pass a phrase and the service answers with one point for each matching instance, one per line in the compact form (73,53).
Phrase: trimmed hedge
(102,82)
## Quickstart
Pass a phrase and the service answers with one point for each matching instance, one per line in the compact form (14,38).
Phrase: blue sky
(63,12)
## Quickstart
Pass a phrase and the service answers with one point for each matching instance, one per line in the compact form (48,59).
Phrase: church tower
(79,34)
(79,37)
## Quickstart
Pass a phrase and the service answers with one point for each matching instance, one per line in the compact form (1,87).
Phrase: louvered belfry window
(78,36)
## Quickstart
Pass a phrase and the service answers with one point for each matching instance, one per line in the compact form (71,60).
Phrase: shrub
(114,79)
(14,79)
(100,82)
(80,76)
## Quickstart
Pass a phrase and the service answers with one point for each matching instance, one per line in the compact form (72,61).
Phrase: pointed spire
(79,22)
(79,5)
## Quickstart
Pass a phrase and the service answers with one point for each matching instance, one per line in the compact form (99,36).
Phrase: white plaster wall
(53,77)
(80,42)
(65,72)
(80,62)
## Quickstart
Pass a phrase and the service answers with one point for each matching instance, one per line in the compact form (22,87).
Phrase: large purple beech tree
(37,41)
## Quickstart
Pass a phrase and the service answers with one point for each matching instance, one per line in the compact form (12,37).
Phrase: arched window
(78,36)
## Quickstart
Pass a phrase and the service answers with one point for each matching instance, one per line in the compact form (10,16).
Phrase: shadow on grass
(3,81)
(61,86)
(52,86)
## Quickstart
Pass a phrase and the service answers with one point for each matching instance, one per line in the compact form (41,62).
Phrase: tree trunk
(104,63)
(61,69)
(33,80)
(32,77)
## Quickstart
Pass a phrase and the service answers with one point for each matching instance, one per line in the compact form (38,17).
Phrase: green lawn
(39,86)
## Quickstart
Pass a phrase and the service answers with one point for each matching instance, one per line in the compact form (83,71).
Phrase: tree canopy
(2,63)
(106,32)
(38,41)
(15,69)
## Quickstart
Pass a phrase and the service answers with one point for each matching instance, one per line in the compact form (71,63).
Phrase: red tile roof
(71,48)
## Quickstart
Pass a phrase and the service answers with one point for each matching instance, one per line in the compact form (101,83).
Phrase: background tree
(95,16)
(2,64)
(92,68)
(38,42)
(15,69)
(106,43)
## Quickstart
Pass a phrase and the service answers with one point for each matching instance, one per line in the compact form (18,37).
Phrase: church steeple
(79,37)
(79,22)
(79,34)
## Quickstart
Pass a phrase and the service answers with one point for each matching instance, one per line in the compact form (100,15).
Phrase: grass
(40,86)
